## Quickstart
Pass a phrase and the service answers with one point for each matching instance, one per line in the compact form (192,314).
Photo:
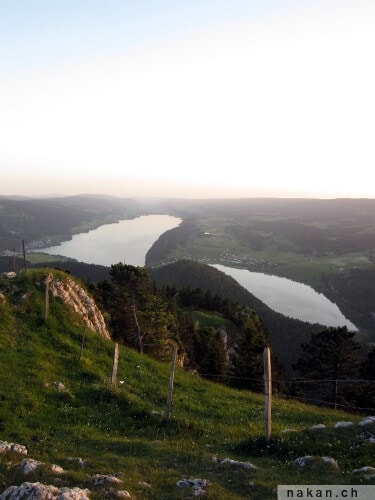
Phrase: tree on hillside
(247,362)
(362,394)
(210,354)
(329,356)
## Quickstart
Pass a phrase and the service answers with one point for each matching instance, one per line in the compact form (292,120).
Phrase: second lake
(289,298)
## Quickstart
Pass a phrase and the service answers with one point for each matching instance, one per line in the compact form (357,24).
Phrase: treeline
(281,330)
(331,372)
(155,320)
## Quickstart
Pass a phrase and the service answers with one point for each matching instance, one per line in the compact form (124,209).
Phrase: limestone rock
(367,421)
(77,299)
(17,448)
(317,427)
(73,494)
(112,493)
(29,465)
(144,484)
(30,491)
(100,479)
(343,424)
(364,470)
(56,469)
(39,491)
(310,461)
(368,435)
(59,386)
(198,486)
(235,463)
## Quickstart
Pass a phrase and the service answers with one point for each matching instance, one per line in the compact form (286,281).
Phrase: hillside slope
(282,331)
(64,411)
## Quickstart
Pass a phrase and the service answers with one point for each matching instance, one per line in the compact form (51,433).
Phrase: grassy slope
(122,429)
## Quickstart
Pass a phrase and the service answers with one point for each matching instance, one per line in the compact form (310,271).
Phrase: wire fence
(282,394)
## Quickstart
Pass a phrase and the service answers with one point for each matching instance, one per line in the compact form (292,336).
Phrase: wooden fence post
(115,365)
(82,343)
(46,312)
(268,395)
(170,385)
(24,254)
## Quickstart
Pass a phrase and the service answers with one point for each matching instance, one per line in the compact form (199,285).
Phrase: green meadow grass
(122,429)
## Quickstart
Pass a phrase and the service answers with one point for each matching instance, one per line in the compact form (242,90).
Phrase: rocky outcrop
(312,461)
(235,463)
(198,486)
(17,448)
(77,299)
(38,491)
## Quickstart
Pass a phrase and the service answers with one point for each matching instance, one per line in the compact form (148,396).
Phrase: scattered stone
(144,484)
(35,491)
(56,469)
(79,461)
(331,462)
(59,386)
(111,493)
(343,424)
(17,448)
(235,463)
(368,435)
(318,426)
(311,461)
(29,465)
(73,494)
(286,431)
(100,479)
(199,486)
(364,470)
(367,421)
(10,274)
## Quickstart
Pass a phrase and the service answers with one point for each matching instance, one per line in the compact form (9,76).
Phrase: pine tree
(330,355)
(247,362)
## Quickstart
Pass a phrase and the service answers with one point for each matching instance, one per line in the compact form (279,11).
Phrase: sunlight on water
(289,298)
(127,241)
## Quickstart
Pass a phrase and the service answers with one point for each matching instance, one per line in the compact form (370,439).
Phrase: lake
(129,240)
(126,241)
(289,298)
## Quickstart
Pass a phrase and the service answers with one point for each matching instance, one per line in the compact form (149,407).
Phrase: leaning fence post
(24,255)
(267,395)
(46,310)
(170,385)
(83,342)
(115,365)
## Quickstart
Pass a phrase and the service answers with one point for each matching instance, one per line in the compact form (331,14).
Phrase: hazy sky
(191,98)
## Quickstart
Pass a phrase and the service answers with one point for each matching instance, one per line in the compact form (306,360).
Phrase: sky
(188,98)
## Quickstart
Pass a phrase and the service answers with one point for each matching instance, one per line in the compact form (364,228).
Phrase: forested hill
(51,220)
(285,334)
(282,331)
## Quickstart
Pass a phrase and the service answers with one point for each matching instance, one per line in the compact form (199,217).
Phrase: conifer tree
(330,355)
(247,362)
